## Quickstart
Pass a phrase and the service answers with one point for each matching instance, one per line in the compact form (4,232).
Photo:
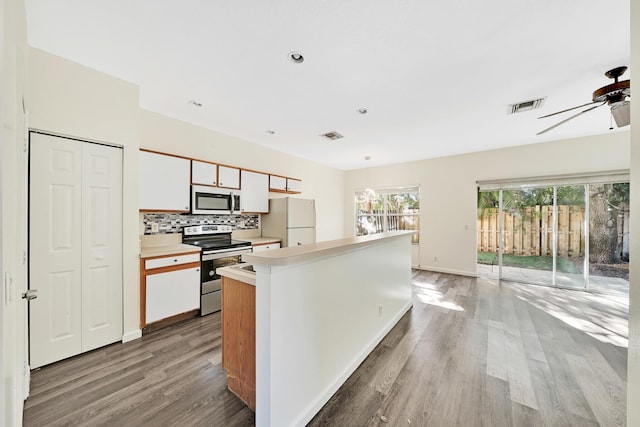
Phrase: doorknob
(30,294)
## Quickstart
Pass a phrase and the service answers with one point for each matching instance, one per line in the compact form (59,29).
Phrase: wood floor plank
(607,403)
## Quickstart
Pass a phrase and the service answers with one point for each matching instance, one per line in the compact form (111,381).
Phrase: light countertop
(263,240)
(236,273)
(297,254)
(166,250)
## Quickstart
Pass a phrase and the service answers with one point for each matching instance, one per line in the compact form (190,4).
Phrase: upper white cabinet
(277,183)
(228,177)
(255,192)
(163,182)
(294,185)
(281,184)
(204,173)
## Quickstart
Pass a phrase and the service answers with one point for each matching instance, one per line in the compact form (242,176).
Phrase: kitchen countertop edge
(233,272)
(264,240)
(167,250)
(297,254)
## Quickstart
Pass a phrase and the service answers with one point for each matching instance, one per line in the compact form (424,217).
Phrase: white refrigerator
(291,219)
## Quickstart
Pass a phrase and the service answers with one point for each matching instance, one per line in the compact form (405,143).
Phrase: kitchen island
(320,309)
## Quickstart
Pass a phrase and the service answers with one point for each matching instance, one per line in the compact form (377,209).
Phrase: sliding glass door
(571,236)
(528,235)
(609,237)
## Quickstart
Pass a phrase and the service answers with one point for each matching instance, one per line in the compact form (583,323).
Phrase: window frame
(382,218)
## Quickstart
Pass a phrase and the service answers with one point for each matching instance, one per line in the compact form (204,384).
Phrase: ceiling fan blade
(568,109)
(570,118)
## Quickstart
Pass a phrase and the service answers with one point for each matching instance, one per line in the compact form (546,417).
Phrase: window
(388,209)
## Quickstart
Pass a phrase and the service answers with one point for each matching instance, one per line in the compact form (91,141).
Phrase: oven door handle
(226,253)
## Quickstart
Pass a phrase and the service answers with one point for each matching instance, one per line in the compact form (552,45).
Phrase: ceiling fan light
(621,112)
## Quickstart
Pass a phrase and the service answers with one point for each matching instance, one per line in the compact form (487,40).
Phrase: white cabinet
(277,183)
(171,261)
(163,182)
(204,173)
(172,293)
(170,285)
(228,177)
(255,192)
(282,184)
(294,185)
(266,247)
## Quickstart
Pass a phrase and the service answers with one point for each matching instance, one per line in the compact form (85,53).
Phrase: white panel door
(101,245)
(75,247)
(55,249)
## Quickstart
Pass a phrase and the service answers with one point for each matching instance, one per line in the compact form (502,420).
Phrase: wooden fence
(530,231)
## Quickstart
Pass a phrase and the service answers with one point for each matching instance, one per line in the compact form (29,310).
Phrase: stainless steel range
(218,250)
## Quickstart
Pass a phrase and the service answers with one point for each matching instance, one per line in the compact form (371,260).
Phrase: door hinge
(24,257)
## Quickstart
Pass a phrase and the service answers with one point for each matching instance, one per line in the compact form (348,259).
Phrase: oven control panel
(207,229)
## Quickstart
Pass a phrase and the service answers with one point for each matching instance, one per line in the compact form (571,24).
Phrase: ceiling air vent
(526,105)
(332,135)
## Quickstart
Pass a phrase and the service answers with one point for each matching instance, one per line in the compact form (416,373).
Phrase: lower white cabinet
(171,293)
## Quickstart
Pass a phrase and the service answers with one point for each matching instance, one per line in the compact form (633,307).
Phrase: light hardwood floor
(471,352)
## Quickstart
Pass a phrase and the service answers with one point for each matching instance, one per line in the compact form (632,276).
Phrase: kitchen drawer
(269,246)
(172,260)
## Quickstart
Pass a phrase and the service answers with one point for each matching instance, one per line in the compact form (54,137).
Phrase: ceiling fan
(615,94)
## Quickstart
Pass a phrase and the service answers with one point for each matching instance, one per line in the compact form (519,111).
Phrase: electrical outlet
(435,259)
(380,310)
(154,227)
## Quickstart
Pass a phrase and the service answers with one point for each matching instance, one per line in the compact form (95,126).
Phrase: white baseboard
(446,270)
(132,335)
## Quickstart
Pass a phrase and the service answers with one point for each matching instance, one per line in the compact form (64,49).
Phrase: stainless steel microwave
(212,200)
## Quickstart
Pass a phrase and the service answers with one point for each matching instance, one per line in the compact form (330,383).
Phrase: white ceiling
(436,77)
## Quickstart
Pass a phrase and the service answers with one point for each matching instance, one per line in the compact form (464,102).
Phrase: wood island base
(239,338)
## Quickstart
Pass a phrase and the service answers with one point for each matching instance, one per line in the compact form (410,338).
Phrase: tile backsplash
(173,223)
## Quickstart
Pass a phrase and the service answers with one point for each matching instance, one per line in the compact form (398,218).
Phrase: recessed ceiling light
(296,57)
(195,103)
(363,110)
(270,132)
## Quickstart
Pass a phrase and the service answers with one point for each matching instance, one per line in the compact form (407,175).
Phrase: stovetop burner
(211,237)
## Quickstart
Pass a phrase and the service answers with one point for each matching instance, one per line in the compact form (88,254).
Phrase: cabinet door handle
(222,183)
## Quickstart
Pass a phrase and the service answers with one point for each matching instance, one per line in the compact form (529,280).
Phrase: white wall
(633,373)
(12,308)
(448,188)
(319,182)
(68,99)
